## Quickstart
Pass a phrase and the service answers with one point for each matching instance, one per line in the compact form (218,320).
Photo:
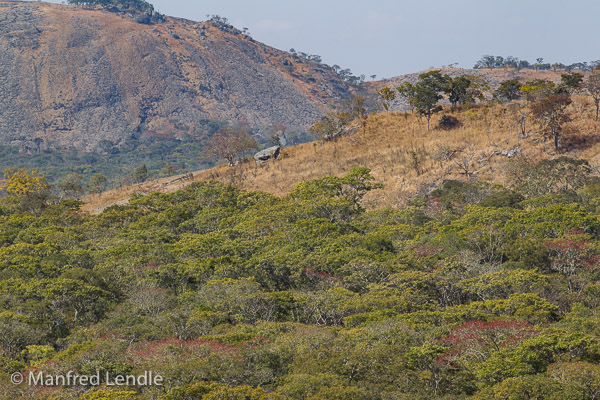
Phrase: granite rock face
(74,76)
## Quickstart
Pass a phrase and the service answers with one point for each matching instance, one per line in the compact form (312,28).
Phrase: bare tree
(445,155)
(465,162)
(551,113)
(592,86)
(519,115)
(230,142)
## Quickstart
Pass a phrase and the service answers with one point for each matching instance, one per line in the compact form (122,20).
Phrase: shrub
(448,122)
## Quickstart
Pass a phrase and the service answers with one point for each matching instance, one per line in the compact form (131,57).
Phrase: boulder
(510,153)
(267,154)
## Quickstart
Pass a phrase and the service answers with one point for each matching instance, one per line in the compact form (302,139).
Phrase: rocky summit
(74,76)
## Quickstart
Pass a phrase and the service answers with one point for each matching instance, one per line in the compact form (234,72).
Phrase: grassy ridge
(402,156)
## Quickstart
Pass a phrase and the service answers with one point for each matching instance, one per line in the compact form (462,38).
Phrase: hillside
(391,263)
(72,77)
(473,291)
(391,146)
(450,252)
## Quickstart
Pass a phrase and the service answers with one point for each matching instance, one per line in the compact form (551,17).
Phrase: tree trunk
(428,118)
(597,106)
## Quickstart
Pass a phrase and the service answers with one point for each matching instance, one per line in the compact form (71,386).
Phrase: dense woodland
(474,291)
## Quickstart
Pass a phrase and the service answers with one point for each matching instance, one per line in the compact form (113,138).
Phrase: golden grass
(389,147)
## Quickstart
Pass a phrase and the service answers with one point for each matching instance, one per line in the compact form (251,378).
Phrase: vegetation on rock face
(125,5)
(144,11)
(488,61)
(474,291)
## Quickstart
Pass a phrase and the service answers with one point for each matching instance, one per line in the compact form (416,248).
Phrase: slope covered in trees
(473,291)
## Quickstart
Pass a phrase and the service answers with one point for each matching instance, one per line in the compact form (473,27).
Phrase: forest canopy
(473,291)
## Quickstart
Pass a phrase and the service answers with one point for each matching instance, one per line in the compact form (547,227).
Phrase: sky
(393,37)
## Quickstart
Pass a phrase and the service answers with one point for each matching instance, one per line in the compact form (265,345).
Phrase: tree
(537,89)
(477,88)
(388,96)
(571,255)
(38,143)
(585,374)
(427,93)
(532,387)
(230,142)
(71,186)
(571,82)
(18,182)
(508,90)
(29,190)
(519,115)
(486,61)
(15,334)
(428,358)
(105,394)
(465,89)
(359,110)
(277,134)
(476,341)
(592,86)
(140,174)
(551,114)
(407,92)
(98,183)
(457,90)
(138,5)
(426,101)
(435,79)
(330,125)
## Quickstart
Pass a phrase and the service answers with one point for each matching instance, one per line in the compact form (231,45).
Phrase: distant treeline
(344,73)
(488,61)
(138,5)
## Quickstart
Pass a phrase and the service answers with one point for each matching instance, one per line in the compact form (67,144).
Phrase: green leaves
(388,96)
(232,294)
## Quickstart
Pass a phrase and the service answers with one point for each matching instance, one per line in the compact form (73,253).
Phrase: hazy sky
(392,37)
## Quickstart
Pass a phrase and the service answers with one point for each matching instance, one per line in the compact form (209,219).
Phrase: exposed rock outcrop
(74,76)
(267,154)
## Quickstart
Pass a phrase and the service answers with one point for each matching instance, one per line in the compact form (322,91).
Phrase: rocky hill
(73,76)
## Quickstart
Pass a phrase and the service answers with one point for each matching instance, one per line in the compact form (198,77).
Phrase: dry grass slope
(401,154)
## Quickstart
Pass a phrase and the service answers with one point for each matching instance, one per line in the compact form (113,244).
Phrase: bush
(505,198)
(448,122)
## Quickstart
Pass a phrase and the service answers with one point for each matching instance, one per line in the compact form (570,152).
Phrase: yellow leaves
(105,394)
(18,182)
(37,354)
